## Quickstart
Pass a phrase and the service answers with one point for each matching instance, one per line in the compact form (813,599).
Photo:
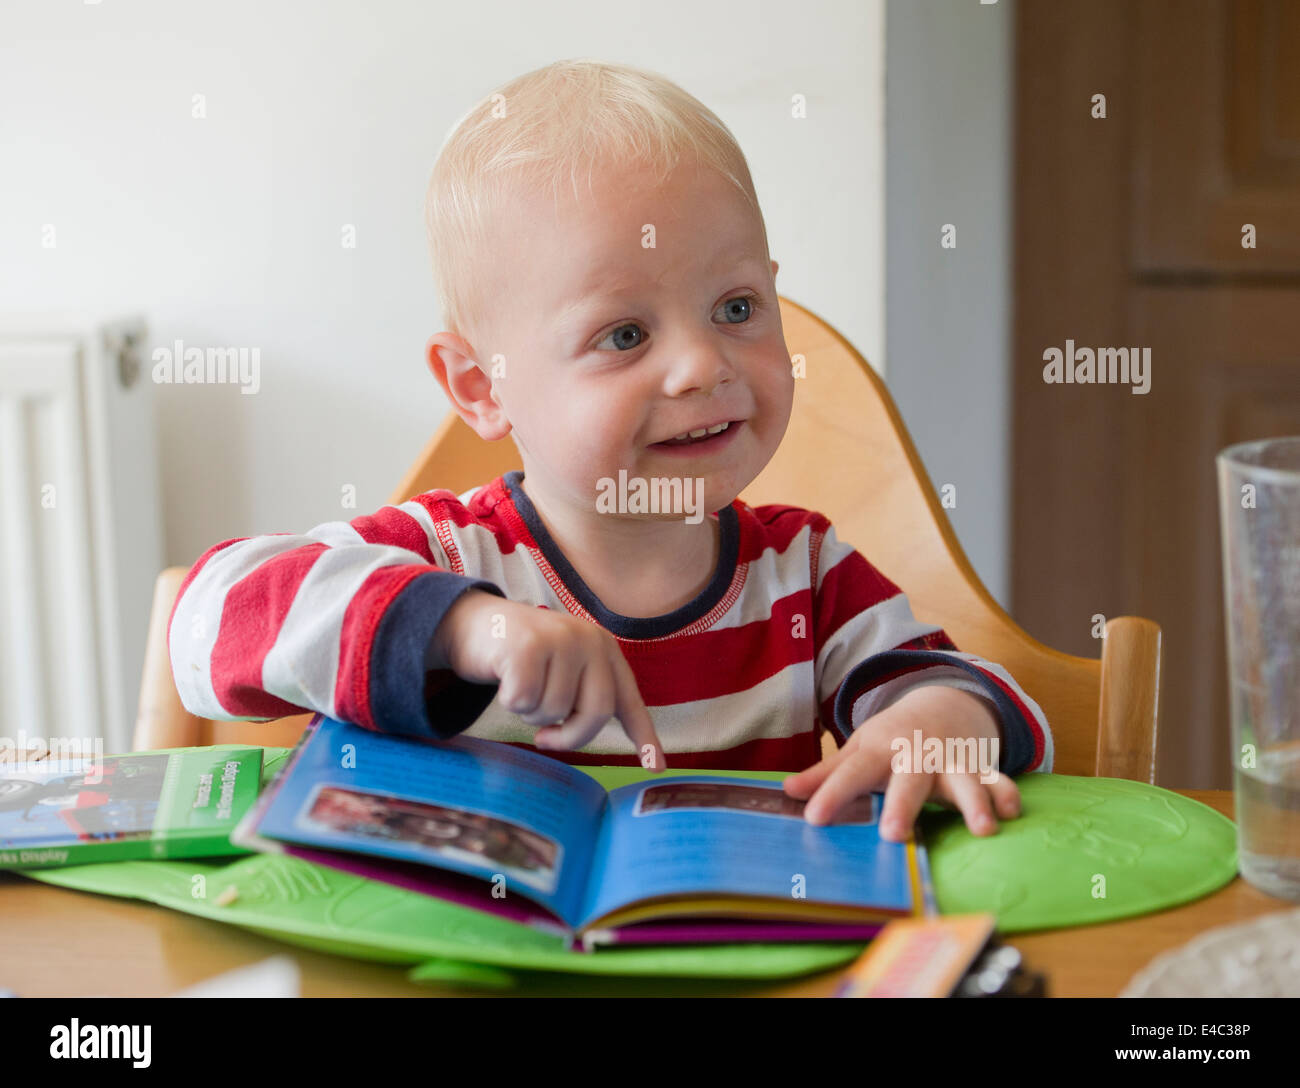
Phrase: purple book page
(725,931)
(464,891)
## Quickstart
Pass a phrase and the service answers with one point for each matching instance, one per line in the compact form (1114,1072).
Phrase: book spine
(55,857)
(194,845)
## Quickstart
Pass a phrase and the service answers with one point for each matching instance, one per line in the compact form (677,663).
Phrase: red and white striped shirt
(795,633)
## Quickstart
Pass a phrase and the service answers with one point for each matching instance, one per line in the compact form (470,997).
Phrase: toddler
(610,305)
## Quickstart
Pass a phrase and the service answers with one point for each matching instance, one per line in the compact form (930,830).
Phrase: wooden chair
(847,454)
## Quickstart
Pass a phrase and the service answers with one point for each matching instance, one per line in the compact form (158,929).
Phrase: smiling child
(610,306)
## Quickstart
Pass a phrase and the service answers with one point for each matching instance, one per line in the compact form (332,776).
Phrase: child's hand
(865,765)
(554,670)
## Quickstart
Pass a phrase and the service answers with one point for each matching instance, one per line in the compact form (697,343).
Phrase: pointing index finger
(630,710)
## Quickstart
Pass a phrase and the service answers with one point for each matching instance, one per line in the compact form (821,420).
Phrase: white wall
(948,148)
(226,230)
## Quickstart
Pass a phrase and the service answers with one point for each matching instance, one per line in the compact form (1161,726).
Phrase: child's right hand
(554,670)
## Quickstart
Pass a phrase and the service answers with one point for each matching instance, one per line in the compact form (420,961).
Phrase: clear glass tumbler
(1259,507)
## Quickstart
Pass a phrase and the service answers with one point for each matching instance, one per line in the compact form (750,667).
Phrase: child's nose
(697,368)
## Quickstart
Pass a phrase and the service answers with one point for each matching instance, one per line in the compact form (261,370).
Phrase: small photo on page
(739,797)
(486,842)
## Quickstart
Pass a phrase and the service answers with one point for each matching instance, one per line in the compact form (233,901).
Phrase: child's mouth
(701,440)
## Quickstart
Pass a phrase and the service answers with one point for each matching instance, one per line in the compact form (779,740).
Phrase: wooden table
(58,942)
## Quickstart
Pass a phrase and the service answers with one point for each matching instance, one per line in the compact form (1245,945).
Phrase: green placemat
(1084,850)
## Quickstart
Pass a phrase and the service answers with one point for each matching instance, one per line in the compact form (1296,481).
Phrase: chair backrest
(847,454)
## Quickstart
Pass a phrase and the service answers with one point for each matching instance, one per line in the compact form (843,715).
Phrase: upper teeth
(701,432)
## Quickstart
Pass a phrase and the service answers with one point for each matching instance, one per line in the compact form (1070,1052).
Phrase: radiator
(80,527)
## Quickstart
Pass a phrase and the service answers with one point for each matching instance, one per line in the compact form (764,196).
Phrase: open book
(672,859)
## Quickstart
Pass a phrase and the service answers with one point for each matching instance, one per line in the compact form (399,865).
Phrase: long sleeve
(337,620)
(871,651)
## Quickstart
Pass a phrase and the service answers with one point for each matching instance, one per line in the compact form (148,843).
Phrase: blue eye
(739,309)
(625,337)
(736,310)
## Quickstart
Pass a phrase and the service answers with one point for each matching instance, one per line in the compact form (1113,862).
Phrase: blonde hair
(556,120)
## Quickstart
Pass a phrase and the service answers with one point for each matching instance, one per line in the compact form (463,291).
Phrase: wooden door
(1129,233)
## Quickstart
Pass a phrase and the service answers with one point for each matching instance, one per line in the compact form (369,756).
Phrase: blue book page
(707,835)
(472,806)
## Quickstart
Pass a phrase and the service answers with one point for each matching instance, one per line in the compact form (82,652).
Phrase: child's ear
(467,387)
(775,266)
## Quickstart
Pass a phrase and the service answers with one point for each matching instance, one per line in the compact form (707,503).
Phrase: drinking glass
(1259,506)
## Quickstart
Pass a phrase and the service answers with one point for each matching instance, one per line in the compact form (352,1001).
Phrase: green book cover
(178,803)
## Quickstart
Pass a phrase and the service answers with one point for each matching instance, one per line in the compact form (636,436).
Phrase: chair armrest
(161,719)
(1130,695)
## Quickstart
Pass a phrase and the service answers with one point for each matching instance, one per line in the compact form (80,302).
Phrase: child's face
(613,346)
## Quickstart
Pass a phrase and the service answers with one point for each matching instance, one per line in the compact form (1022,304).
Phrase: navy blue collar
(632,627)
